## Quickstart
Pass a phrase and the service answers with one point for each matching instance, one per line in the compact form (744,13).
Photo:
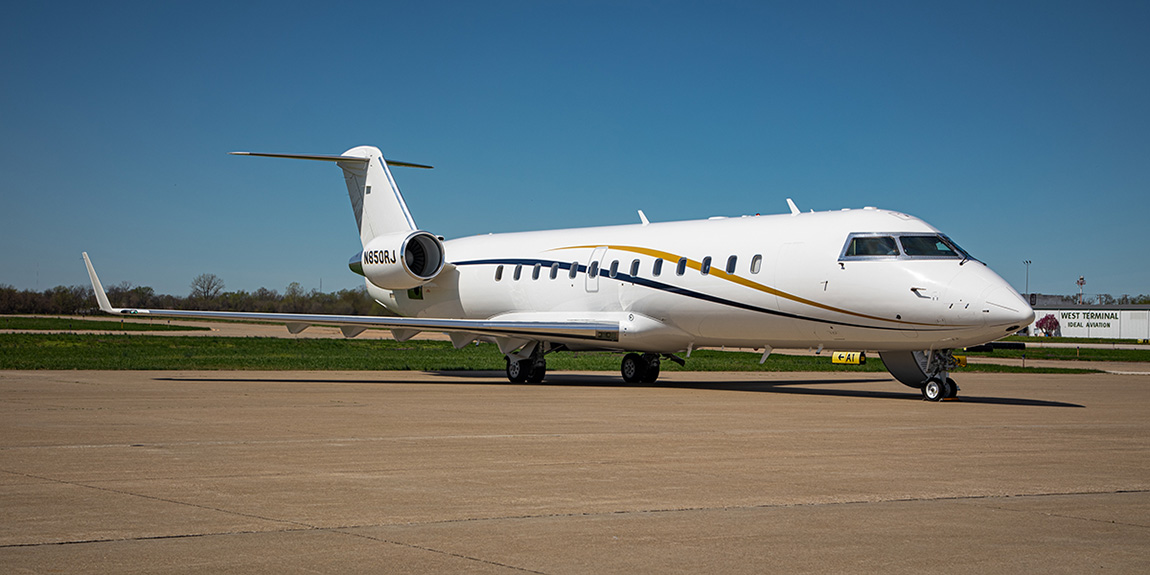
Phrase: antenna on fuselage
(794,208)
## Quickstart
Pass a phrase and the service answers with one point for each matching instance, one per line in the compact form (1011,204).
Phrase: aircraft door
(595,268)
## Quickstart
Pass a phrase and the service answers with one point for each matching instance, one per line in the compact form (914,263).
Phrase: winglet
(794,208)
(101,297)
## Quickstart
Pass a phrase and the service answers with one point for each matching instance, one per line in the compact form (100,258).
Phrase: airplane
(868,279)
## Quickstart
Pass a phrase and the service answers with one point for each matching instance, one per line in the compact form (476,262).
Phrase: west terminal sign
(1105,323)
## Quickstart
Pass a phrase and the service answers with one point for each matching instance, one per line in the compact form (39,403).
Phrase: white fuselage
(789,286)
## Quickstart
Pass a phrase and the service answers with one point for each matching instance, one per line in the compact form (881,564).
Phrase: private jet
(865,280)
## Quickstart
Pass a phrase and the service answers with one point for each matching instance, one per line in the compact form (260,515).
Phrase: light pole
(1027,262)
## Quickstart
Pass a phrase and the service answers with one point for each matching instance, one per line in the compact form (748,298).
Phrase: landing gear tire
(518,371)
(652,372)
(951,388)
(633,368)
(539,370)
(934,390)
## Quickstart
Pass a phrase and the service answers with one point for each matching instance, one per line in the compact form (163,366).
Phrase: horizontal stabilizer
(329,158)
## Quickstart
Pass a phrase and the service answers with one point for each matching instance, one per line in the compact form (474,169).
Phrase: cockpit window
(929,246)
(872,246)
(869,245)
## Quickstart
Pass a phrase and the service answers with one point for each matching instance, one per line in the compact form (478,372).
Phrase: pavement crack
(439,551)
(163,499)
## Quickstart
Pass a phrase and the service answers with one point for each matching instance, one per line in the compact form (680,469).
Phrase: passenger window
(535,272)
(573,270)
(756,263)
(657,267)
(593,269)
(681,268)
(706,267)
(635,268)
(614,268)
(554,270)
(499,273)
(518,271)
(731,262)
(872,246)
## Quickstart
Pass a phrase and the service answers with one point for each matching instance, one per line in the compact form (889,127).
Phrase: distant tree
(206,286)
(1048,325)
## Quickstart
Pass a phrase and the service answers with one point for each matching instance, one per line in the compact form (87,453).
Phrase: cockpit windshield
(872,246)
(916,246)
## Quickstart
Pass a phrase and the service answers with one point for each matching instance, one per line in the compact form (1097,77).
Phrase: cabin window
(554,270)
(535,272)
(731,262)
(657,267)
(518,271)
(871,246)
(634,268)
(706,267)
(498,273)
(593,269)
(681,268)
(574,269)
(614,269)
(756,263)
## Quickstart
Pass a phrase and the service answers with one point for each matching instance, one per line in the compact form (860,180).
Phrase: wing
(509,334)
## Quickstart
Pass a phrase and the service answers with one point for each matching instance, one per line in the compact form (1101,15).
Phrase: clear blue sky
(1022,129)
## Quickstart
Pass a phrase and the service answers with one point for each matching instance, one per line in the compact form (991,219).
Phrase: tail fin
(379,207)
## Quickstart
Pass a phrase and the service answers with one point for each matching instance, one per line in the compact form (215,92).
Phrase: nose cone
(1005,308)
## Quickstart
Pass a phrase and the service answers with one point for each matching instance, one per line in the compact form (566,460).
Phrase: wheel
(537,372)
(652,372)
(934,390)
(951,388)
(633,368)
(517,371)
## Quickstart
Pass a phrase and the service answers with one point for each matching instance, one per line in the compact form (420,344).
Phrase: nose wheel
(938,389)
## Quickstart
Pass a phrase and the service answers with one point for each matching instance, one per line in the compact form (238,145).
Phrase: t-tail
(396,254)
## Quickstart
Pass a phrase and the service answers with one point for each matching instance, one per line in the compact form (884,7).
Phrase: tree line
(207,294)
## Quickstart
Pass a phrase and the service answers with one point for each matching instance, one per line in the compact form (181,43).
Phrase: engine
(400,261)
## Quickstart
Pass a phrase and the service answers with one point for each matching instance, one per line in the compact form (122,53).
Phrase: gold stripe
(722,274)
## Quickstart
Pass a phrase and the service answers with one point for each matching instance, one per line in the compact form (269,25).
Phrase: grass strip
(59,323)
(1039,339)
(137,352)
(1085,354)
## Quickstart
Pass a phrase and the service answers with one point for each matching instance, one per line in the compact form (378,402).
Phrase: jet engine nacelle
(401,260)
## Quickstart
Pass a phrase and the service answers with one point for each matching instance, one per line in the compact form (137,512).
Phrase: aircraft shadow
(792,387)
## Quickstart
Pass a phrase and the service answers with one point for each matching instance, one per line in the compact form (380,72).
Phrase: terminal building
(1104,321)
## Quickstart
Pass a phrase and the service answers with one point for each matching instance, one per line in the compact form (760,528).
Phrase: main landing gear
(530,370)
(640,368)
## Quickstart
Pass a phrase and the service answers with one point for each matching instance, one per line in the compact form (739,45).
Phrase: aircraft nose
(1004,307)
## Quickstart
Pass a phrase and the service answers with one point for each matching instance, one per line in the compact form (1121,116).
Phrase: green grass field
(1036,339)
(1069,354)
(58,324)
(127,351)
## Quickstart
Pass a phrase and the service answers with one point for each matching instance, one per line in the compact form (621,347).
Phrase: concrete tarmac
(403,472)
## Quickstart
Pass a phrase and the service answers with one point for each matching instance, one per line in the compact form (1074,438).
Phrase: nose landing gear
(927,371)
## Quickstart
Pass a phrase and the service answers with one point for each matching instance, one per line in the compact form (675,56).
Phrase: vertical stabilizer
(379,207)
